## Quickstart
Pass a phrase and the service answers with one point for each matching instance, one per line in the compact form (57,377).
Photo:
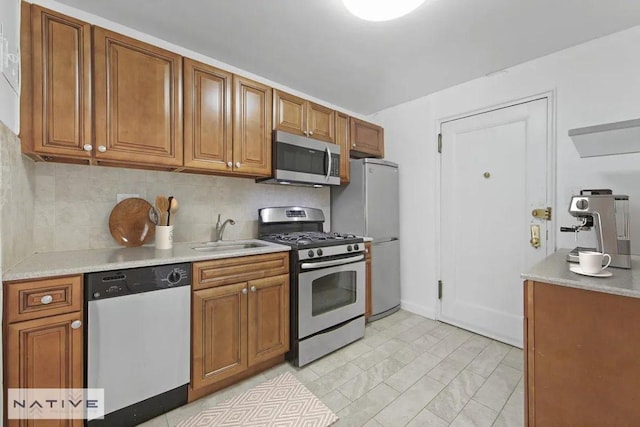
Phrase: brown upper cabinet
(226,122)
(367,139)
(342,139)
(251,127)
(208,135)
(56,98)
(301,117)
(138,102)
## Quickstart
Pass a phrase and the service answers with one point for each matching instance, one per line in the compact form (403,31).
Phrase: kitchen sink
(228,246)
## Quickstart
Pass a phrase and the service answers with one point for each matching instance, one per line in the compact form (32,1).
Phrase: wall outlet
(121,197)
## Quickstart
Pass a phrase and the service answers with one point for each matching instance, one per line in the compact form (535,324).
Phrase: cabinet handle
(244,290)
(229,164)
(253,289)
(47,299)
(102,148)
(237,164)
(87,147)
(76,324)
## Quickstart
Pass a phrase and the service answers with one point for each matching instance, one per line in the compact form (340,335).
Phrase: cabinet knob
(253,289)
(244,290)
(310,132)
(237,164)
(353,145)
(229,164)
(76,324)
(87,147)
(47,299)
(102,148)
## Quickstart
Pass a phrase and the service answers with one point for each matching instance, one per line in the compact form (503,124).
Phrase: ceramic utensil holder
(164,236)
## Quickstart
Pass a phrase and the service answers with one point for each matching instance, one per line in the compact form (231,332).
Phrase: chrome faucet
(220,228)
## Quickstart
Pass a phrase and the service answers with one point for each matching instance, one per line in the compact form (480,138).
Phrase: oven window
(332,292)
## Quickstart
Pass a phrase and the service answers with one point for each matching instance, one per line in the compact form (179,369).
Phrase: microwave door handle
(328,154)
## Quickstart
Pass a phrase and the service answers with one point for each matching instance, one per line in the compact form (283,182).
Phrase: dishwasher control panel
(117,283)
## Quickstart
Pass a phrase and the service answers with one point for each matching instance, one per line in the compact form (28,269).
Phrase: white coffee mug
(591,262)
(164,236)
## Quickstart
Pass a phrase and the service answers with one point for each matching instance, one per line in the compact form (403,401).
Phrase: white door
(493,174)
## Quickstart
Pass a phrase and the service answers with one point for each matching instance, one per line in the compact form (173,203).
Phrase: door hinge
(439,143)
(439,289)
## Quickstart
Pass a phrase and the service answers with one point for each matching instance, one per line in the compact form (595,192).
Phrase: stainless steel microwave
(299,160)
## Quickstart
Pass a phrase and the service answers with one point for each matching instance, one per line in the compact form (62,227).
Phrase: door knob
(102,148)
(87,147)
(47,299)
(76,324)
(535,236)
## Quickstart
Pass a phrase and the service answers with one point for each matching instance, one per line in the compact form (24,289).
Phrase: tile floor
(406,371)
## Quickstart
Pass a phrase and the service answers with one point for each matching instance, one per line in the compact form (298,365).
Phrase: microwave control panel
(335,165)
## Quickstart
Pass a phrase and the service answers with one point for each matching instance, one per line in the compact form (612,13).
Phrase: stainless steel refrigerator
(369,206)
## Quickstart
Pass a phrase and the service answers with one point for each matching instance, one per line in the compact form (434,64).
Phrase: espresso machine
(608,215)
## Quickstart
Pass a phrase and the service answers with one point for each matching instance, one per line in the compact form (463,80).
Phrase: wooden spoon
(173,208)
(162,204)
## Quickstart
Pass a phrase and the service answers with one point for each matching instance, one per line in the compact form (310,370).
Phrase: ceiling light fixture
(381,10)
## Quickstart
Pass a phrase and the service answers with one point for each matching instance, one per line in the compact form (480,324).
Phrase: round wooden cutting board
(129,222)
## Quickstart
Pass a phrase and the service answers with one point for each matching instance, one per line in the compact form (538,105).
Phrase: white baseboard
(421,310)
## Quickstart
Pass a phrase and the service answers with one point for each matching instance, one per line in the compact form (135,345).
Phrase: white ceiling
(318,48)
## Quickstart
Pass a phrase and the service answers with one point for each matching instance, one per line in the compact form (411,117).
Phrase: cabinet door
(321,123)
(61,61)
(207,117)
(219,334)
(268,318)
(138,101)
(289,113)
(342,139)
(45,353)
(367,139)
(583,349)
(251,127)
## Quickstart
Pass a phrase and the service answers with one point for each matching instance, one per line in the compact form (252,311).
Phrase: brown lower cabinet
(44,338)
(239,328)
(581,352)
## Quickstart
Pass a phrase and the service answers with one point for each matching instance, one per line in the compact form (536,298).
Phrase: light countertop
(554,269)
(50,264)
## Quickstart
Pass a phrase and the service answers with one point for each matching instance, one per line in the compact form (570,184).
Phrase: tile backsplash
(73,203)
(17,185)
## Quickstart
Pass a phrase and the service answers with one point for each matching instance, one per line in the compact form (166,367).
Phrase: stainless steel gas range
(327,281)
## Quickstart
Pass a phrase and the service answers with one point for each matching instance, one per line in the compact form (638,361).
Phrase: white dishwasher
(138,341)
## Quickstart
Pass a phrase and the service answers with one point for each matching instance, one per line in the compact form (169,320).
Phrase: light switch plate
(121,197)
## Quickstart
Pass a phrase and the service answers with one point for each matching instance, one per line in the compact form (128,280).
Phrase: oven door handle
(331,263)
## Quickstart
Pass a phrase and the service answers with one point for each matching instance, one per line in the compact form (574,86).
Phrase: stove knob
(349,248)
(174,277)
(356,247)
(311,254)
(319,252)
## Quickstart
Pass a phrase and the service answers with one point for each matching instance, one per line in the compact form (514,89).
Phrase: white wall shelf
(607,139)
